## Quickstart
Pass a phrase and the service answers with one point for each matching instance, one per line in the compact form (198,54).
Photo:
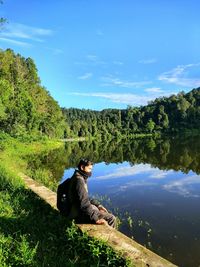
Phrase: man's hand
(102,209)
(102,221)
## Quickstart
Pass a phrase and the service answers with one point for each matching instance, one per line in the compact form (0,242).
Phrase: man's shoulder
(77,176)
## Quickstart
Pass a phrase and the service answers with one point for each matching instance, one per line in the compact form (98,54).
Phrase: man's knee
(112,221)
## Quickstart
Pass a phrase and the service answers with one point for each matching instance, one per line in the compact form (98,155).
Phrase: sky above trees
(103,54)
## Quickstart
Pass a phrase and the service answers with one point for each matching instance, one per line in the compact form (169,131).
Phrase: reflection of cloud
(179,74)
(158,204)
(143,175)
(126,171)
(149,177)
(140,183)
(182,187)
(159,175)
(134,170)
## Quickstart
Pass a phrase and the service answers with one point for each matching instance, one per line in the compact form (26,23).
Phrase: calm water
(153,186)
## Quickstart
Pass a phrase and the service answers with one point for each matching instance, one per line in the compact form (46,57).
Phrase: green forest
(28,109)
(163,115)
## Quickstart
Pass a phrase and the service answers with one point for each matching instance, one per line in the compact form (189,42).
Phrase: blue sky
(100,54)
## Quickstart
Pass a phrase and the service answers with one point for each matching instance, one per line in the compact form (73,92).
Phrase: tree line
(28,109)
(163,115)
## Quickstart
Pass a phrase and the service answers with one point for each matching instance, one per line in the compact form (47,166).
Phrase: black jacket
(80,202)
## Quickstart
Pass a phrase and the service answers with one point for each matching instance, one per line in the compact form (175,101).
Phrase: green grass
(31,232)
(13,152)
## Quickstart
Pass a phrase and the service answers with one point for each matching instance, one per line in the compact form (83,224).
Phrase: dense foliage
(172,114)
(25,106)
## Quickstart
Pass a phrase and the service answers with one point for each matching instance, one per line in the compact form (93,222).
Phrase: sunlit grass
(32,233)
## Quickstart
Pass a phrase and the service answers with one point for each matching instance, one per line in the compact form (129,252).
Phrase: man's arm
(83,200)
(98,205)
(94,202)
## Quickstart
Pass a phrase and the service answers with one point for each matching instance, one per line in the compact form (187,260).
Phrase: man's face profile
(87,169)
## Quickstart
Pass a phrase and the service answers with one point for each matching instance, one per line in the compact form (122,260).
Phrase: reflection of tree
(166,154)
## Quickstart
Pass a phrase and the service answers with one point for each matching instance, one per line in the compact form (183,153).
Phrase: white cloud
(99,32)
(26,32)
(79,63)
(19,43)
(86,76)
(119,63)
(179,75)
(125,98)
(129,99)
(94,60)
(154,90)
(56,51)
(112,81)
(148,61)
(15,32)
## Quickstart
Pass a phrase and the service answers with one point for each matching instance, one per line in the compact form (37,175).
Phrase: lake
(153,186)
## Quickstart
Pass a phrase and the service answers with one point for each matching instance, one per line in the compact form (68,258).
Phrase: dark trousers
(109,217)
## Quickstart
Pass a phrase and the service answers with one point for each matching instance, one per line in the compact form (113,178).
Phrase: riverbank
(77,139)
(110,137)
(32,234)
(139,255)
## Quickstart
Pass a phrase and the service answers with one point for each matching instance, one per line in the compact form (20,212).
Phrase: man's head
(85,166)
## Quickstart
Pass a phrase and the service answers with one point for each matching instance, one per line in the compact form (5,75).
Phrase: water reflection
(153,185)
(165,154)
(162,204)
(143,175)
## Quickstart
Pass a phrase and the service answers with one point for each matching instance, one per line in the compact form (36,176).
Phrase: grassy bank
(31,232)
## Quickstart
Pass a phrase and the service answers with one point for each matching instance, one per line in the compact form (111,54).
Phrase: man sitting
(82,209)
